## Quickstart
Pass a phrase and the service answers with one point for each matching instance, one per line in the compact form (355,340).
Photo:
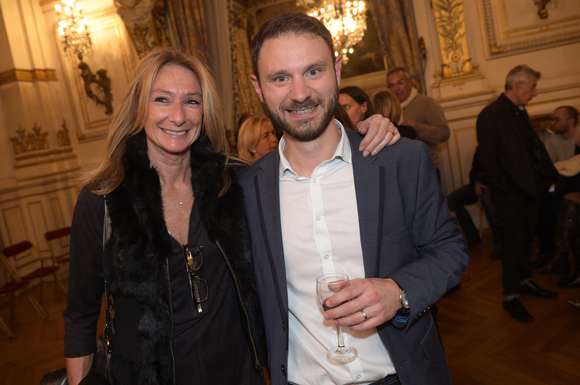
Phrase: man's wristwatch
(403,300)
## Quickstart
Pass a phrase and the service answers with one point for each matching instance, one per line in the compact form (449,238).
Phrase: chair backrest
(62,248)
(20,262)
(17,248)
(58,233)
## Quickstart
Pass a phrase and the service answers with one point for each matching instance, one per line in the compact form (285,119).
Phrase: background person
(520,173)
(341,115)
(357,103)
(478,188)
(386,104)
(256,138)
(562,145)
(421,112)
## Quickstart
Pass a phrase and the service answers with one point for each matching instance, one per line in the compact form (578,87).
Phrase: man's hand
(378,297)
(478,188)
(379,132)
(410,122)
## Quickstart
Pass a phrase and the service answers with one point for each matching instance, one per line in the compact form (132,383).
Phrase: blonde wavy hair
(131,115)
(249,136)
(387,104)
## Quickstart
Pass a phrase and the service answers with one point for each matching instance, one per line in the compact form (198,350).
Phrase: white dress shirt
(321,234)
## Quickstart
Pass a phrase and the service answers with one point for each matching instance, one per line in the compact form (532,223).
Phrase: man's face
(560,123)
(400,85)
(526,92)
(298,84)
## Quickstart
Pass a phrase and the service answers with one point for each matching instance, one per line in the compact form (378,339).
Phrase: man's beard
(309,130)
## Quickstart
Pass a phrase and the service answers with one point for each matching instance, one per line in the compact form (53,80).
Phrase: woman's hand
(379,132)
(78,368)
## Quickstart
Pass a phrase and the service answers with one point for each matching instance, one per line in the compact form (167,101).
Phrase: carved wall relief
(33,141)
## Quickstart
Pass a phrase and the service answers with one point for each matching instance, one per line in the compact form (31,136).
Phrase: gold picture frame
(510,27)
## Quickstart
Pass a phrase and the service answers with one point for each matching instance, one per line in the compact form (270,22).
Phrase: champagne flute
(326,286)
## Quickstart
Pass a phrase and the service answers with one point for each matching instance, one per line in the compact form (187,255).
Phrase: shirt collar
(342,152)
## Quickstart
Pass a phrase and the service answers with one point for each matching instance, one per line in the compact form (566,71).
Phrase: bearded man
(317,206)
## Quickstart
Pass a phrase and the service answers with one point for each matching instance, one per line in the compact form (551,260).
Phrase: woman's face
(354,110)
(268,140)
(175,111)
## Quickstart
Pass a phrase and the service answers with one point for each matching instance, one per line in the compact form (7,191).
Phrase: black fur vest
(136,255)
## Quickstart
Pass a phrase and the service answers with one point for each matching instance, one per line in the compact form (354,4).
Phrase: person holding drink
(316,206)
(176,259)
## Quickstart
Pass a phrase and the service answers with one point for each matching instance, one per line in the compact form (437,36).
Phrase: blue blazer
(406,232)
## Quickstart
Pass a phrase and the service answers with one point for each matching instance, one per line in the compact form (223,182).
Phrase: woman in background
(387,104)
(357,104)
(256,138)
(341,115)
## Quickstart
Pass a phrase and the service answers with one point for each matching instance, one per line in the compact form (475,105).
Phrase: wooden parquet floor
(482,343)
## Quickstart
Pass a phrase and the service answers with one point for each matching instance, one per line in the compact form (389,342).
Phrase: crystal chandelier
(72,27)
(346,21)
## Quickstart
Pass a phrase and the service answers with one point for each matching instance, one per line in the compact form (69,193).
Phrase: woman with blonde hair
(175,259)
(256,138)
(387,104)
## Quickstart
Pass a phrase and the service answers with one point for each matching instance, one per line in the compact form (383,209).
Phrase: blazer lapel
(369,183)
(267,186)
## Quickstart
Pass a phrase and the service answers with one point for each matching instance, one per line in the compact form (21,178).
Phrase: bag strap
(108,327)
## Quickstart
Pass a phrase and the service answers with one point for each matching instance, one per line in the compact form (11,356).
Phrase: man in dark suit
(520,173)
(317,206)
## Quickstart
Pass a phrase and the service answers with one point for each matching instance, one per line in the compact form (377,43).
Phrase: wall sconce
(76,40)
(542,11)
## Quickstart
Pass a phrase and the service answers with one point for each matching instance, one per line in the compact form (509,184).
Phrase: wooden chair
(14,251)
(60,254)
(9,289)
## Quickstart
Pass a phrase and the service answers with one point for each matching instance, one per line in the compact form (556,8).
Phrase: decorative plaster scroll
(509,27)
(26,75)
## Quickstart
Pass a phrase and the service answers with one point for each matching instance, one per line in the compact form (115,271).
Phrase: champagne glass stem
(340,336)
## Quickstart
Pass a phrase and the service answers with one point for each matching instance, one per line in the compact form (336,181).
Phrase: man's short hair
(294,23)
(397,69)
(570,113)
(521,73)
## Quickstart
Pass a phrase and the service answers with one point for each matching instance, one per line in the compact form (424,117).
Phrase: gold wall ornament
(97,87)
(542,11)
(62,137)
(146,23)
(34,141)
(450,23)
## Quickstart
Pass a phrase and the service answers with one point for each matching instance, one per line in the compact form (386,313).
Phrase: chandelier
(72,27)
(346,21)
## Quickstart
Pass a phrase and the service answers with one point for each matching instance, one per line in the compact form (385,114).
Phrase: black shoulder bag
(100,373)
